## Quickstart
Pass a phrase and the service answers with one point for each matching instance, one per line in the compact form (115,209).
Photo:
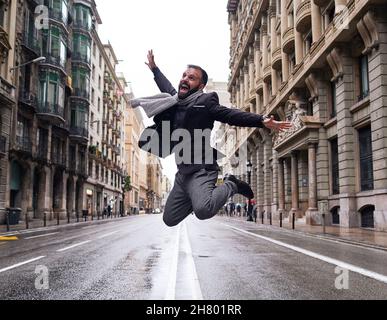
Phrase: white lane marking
(188,266)
(107,235)
(41,236)
(21,264)
(171,287)
(74,246)
(335,262)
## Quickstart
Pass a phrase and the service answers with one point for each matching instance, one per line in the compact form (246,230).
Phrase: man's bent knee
(204,213)
(169,222)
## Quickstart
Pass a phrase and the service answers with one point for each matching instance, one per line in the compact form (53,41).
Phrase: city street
(138,258)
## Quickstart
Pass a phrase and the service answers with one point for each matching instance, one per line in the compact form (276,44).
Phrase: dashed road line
(41,236)
(107,235)
(21,264)
(335,262)
(73,246)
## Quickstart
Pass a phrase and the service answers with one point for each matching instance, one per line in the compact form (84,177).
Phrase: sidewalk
(38,224)
(356,236)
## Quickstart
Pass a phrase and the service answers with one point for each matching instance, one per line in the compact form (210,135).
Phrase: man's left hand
(274,125)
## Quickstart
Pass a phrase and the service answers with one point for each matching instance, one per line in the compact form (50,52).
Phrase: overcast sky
(180,32)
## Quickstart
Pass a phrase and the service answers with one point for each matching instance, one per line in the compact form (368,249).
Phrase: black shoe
(243,188)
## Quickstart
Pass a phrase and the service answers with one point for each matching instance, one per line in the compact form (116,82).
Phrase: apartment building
(322,65)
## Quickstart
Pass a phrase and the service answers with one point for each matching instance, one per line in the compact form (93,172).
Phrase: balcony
(277,59)
(81,170)
(51,112)
(55,61)
(28,99)
(31,43)
(3,146)
(78,134)
(23,145)
(288,41)
(303,13)
(58,16)
(81,93)
(82,25)
(78,57)
(267,73)
(4,44)
(58,159)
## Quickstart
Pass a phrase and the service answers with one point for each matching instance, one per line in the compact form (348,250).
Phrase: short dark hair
(204,73)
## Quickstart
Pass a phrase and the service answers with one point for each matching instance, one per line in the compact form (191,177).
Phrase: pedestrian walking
(185,111)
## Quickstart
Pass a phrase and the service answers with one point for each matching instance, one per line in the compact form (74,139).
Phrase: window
(333,97)
(93,72)
(99,82)
(81,46)
(367,217)
(366,159)
(292,62)
(51,91)
(99,104)
(81,82)
(335,216)
(335,167)
(2,13)
(364,78)
(82,15)
(307,42)
(329,13)
(91,169)
(79,115)
(92,96)
(94,49)
(92,121)
(55,46)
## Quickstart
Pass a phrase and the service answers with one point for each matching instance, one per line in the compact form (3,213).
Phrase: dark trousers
(198,193)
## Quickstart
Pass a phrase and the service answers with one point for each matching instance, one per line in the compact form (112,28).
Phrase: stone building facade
(322,65)
(57,166)
(8,12)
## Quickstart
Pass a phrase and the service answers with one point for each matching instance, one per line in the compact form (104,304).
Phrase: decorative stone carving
(311,83)
(296,111)
(335,62)
(368,31)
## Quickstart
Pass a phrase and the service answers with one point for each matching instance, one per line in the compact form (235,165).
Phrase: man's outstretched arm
(162,82)
(238,118)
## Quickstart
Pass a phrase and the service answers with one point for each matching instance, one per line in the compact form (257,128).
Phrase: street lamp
(249,208)
(37,60)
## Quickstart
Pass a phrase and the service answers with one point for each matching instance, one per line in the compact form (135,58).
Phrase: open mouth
(184,88)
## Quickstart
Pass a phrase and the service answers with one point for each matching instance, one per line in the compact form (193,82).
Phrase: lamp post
(249,208)
(37,60)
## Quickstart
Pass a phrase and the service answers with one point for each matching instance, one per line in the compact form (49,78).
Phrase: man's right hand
(151,60)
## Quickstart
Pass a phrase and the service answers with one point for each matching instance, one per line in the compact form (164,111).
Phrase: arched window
(367,217)
(335,216)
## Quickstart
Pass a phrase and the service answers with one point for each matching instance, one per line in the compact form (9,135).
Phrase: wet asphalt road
(138,258)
